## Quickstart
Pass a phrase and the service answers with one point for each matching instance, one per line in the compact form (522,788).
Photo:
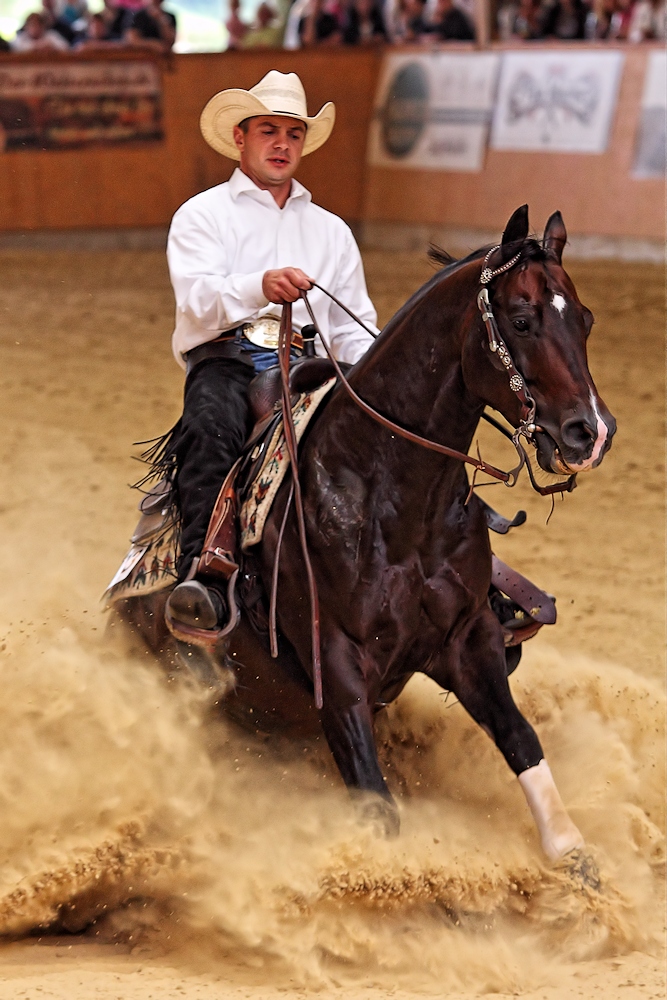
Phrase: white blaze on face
(558,302)
(557,832)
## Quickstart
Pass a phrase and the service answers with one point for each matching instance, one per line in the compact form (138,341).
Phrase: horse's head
(545,328)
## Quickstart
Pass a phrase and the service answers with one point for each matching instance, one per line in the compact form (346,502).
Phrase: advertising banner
(71,104)
(650,152)
(433,111)
(556,101)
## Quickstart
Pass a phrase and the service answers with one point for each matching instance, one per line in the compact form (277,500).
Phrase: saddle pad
(148,566)
(263,490)
(150,563)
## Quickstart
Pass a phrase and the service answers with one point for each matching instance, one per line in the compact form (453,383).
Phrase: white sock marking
(557,831)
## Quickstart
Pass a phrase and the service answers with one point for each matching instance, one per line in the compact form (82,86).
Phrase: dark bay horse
(399,548)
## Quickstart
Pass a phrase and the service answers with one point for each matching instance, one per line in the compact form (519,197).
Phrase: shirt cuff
(249,290)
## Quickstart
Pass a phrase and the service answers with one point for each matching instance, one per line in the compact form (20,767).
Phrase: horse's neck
(414,375)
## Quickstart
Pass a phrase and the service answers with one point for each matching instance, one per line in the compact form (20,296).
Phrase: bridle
(499,350)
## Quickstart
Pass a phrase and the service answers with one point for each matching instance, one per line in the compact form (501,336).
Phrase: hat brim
(230,107)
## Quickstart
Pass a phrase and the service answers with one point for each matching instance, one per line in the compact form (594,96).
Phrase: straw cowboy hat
(275,94)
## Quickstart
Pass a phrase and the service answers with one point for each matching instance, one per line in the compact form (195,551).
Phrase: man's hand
(285,284)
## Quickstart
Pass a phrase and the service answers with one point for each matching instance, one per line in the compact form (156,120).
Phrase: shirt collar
(240,183)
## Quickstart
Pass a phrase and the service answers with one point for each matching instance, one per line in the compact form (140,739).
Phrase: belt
(230,345)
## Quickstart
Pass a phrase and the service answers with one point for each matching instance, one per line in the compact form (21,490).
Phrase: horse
(398,541)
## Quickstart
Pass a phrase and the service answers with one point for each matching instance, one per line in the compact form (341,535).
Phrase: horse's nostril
(577,433)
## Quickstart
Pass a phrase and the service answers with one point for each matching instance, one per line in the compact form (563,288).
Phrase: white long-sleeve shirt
(222,241)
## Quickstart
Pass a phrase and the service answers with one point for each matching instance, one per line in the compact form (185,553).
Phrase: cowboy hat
(276,94)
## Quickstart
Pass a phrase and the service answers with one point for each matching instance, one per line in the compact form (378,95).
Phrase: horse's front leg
(347,721)
(479,681)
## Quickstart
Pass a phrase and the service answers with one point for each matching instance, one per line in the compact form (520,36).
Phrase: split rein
(526,429)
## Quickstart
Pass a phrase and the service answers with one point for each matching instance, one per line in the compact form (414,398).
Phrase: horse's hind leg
(480,683)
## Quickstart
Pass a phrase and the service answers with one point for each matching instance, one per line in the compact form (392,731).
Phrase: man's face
(271,149)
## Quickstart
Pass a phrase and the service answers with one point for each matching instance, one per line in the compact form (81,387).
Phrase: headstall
(527,426)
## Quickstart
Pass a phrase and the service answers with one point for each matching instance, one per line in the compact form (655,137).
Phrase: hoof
(582,867)
(380,814)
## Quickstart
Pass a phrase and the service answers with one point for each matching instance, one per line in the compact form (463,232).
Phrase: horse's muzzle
(579,443)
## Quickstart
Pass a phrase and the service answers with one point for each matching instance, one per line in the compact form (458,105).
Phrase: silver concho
(516,383)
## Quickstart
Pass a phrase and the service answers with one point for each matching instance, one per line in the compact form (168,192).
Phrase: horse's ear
(555,236)
(516,231)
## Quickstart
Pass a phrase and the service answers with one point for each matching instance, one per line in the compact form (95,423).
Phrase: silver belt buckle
(263,333)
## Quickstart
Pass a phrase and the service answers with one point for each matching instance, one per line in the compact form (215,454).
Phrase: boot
(194,605)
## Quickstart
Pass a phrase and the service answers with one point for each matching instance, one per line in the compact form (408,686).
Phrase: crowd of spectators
(616,20)
(68,24)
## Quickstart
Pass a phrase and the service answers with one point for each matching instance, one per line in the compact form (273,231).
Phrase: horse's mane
(529,248)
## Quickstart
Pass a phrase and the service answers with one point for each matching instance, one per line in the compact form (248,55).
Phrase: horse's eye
(521,325)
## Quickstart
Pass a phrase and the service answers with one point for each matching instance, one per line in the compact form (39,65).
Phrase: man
(451,24)
(236,253)
(152,26)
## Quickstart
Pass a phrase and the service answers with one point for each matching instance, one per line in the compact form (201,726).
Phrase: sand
(150,851)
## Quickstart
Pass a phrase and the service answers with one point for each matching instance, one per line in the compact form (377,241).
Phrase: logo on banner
(556,101)
(405,112)
(433,110)
(557,97)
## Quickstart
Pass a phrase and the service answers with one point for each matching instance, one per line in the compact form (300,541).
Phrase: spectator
(608,19)
(528,20)
(363,24)
(266,32)
(321,25)
(97,34)
(53,21)
(236,28)
(647,21)
(411,24)
(451,24)
(620,21)
(35,35)
(505,19)
(295,14)
(119,15)
(73,12)
(152,27)
(566,20)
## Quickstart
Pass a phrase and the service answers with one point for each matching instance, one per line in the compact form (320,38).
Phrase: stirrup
(207,638)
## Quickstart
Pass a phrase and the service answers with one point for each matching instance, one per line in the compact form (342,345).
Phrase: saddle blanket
(257,504)
(150,564)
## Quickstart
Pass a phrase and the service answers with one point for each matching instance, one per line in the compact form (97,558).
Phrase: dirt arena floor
(149,851)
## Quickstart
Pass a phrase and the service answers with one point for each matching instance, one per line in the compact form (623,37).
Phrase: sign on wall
(650,152)
(433,111)
(556,101)
(63,105)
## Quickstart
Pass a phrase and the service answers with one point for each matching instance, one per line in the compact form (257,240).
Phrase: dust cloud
(127,801)
(132,811)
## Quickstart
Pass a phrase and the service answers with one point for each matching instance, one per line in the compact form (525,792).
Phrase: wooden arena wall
(142,185)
